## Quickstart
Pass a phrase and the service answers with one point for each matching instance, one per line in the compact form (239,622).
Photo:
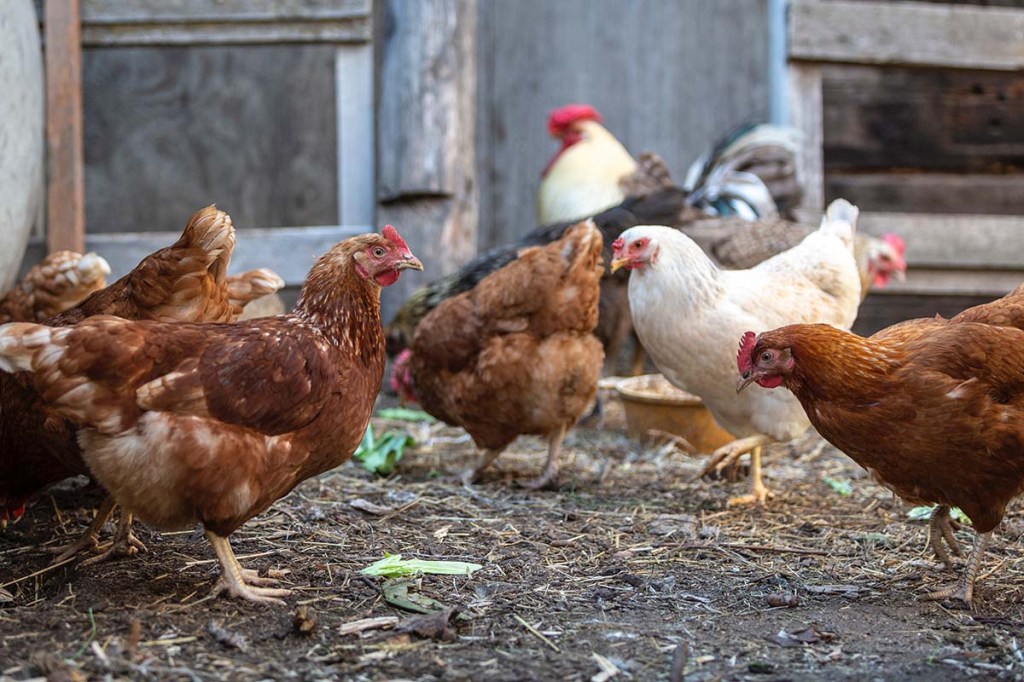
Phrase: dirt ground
(628,572)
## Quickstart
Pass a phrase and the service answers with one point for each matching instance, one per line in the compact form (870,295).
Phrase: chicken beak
(900,275)
(745,380)
(618,263)
(409,262)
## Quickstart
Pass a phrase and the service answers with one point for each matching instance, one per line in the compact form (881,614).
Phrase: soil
(628,571)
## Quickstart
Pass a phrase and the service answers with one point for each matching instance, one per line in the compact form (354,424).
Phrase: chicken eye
(378,252)
(766,356)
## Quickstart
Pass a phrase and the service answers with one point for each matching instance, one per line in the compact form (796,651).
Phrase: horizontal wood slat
(224,22)
(907,33)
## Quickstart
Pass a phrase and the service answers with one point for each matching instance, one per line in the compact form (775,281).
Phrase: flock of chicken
(184,419)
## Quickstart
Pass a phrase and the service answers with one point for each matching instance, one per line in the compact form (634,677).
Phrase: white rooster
(688,314)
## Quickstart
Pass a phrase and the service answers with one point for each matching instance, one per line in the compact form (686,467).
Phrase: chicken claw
(125,544)
(723,456)
(470,475)
(239,582)
(964,587)
(730,453)
(89,540)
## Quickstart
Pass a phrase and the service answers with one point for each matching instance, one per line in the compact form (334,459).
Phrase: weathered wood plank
(668,77)
(65,195)
(356,30)
(170,129)
(290,252)
(929,192)
(208,22)
(426,115)
(954,241)
(144,11)
(906,33)
(353,73)
(805,114)
(930,119)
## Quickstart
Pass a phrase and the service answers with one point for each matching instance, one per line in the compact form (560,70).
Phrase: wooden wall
(667,76)
(170,129)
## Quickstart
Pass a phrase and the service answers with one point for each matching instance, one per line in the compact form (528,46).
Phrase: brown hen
(516,354)
(932,408)
(212,423)
(185,281)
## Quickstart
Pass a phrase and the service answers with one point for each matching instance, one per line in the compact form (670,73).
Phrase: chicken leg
(550,474)
(728,454)
(940,535)
(89,540)
(964,588)
(124,543)
(239,582)
(759,494)
(470,475)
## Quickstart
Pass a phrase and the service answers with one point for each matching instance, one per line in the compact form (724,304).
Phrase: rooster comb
(391,234)
(569,114)
(746,348)
(618,243)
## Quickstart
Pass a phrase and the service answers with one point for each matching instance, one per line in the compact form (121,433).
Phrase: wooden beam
(288,251)
(224,22)
(65,195)
(805,114)
(949,193)
(967,242)
(906,33)
(425,121)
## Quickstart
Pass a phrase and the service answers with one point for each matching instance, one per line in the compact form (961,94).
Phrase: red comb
(391,234)
(618,244)
(896,242)
(746,347)
(569,114)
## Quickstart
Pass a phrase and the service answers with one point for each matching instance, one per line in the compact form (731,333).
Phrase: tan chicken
(62,280)
(515,354)
(212,423)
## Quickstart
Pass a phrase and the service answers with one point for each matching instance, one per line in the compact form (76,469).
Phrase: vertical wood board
(65,184)
(668,78)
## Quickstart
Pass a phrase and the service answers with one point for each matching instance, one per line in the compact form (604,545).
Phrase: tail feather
(840,219)
(248,286)
(764,150)
(212,231)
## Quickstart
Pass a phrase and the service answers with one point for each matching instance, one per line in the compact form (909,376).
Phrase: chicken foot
(239,582)
(940,535)
(470,475)
(759,494)
(964,587)
(125,543)
(729,454)
(549,476)
(90,539)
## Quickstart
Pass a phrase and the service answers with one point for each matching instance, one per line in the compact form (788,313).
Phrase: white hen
(688,314)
